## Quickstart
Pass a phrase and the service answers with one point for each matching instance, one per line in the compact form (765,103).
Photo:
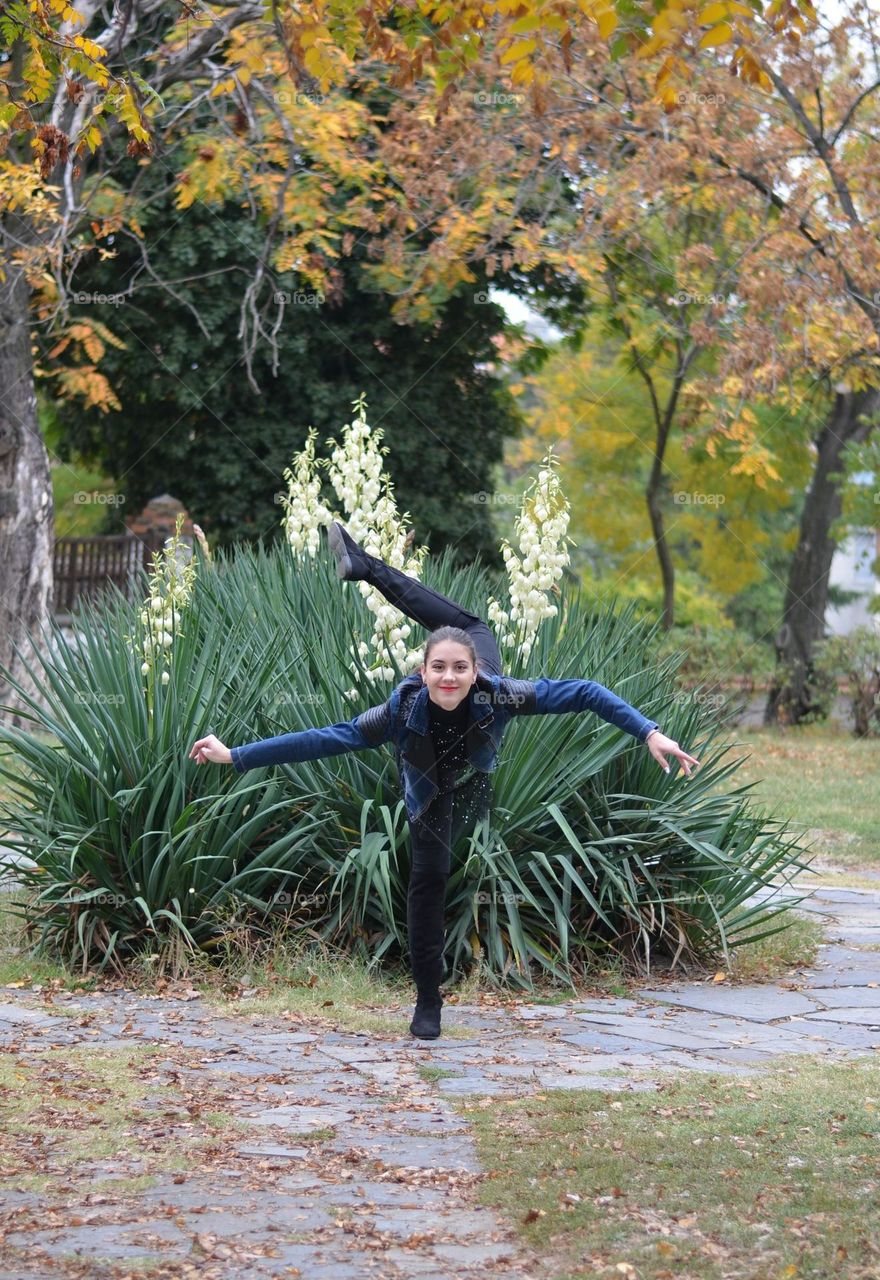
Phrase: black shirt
(448,730)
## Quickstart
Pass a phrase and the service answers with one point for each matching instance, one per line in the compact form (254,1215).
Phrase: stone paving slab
(754,1003)
(861,1017)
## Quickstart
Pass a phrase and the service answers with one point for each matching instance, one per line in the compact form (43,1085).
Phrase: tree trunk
(791,695)
(667,568)
(26,507)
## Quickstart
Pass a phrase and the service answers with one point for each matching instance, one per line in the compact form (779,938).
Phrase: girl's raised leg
(421,603)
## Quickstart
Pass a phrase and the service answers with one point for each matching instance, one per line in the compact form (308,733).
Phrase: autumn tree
(75,77)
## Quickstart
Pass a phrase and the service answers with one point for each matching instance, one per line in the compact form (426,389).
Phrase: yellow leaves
(89,47)
(603,14)
(222,87)
(127,110)
(746,65)
(217,170)
(37,77)
(66,12)
(722,34)
(519,49)
(669,21)
(722,10)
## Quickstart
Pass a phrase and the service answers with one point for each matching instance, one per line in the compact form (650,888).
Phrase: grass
(77,518)
(764,1177)
(430,1074)
(822,778)
(73,1105)
(795,946)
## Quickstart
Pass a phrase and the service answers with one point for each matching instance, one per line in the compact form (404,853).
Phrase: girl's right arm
(370,729)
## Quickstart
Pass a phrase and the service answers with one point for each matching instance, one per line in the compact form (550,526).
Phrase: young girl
(446,722)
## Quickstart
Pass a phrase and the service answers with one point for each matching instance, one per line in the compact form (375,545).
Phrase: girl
(446,722)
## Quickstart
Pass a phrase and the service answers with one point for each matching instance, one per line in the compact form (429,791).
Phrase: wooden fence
(84,567)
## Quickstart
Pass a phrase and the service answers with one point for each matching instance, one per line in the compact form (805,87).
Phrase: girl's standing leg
(426,897)
(423,604)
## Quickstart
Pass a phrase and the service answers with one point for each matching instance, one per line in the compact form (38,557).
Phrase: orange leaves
(81,380)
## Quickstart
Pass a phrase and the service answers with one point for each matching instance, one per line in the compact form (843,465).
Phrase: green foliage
(591,849)
(695,605)
(717,657)
(191,424)
(855,658)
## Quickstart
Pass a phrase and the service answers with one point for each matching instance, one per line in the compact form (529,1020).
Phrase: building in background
(852,569)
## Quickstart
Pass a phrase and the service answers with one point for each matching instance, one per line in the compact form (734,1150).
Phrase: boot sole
(344,566)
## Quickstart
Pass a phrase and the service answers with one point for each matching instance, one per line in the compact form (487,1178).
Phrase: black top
(448,735)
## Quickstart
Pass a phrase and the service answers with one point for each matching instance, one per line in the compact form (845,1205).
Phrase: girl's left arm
(553,697)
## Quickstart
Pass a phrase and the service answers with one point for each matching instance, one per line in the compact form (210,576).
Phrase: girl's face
(448,673)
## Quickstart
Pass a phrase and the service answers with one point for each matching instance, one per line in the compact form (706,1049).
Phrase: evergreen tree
(191,424)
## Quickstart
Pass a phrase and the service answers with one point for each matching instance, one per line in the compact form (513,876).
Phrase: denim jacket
(404,721)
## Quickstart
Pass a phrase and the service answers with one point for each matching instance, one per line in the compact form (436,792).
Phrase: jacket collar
(418,718)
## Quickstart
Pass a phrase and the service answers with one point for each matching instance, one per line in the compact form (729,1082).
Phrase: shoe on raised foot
(351,561)
(426,1019)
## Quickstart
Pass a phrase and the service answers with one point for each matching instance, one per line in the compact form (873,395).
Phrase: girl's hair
(450,633)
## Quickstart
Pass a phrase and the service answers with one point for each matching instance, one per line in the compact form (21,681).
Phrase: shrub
(591,847)
(855,658)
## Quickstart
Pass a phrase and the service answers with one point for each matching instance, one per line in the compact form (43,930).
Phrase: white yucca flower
(365,493)
(305,513)
(171,585)
(541,528)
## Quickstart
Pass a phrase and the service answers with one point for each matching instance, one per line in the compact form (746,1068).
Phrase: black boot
(426,1019)
(352,561)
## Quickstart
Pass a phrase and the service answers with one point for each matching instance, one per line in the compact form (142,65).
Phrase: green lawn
(823,779)
(763,1177)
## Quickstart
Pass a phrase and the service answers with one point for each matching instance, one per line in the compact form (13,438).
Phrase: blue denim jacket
(404,721)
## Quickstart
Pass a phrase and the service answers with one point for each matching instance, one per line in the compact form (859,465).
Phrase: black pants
(451,812)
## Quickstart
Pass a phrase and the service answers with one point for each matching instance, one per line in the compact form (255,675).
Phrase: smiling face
(448,673)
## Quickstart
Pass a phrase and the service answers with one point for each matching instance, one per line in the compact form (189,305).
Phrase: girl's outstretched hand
(210,748)
(660,746)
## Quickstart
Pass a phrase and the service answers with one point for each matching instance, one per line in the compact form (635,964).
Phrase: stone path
(345,1158)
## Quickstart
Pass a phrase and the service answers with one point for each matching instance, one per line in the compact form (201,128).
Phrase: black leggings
(451,812)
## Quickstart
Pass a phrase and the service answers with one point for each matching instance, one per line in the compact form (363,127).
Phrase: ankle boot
(426,1019)
(351,560)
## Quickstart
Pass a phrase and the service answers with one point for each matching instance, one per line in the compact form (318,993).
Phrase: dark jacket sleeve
(370,729)
(554,697)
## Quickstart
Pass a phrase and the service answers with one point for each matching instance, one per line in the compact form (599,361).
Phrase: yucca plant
(590,848)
